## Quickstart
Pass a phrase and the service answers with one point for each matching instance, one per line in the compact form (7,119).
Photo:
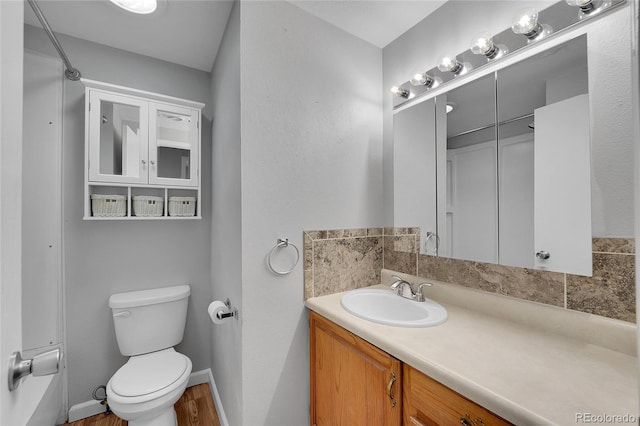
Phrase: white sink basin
(385,307)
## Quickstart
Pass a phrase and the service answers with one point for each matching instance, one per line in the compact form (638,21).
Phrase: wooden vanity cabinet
(427,402)
(352,382)
(355,383)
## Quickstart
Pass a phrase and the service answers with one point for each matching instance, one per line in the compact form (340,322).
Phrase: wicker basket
(182,206)
(108,205)
(148,206)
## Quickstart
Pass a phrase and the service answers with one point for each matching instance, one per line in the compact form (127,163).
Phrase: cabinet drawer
(429,403)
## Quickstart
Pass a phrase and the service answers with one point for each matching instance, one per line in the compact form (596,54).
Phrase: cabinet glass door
(118,139)
(173,155)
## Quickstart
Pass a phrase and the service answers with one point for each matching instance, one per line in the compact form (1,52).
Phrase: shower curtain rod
(71,73)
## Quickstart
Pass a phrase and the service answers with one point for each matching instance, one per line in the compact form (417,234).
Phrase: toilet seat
(149,376)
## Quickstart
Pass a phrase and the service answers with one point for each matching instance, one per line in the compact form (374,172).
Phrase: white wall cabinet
(141,145)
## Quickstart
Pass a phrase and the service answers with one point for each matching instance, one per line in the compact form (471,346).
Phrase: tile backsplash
(340,260)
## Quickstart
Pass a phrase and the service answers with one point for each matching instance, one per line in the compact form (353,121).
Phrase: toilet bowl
(144,390)
(148,324)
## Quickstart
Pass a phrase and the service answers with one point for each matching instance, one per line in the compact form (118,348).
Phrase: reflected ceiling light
(424,79)
(483,45)
(589,7)
(142,7)
(451,106)
(400,92)
(526,23)
(451,64)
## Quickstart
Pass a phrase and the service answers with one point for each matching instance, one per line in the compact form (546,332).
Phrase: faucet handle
(397,282)
(419,295)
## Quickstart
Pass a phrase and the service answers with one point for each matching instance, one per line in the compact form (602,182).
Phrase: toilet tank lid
(149,297)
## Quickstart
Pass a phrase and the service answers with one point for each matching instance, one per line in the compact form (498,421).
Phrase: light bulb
(579,3)
(422,79)
(400,92)
(589,7)
(451,64)
(137,6)
(525,22)
(419,79)
(483,44)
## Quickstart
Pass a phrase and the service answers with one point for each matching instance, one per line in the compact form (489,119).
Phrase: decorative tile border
(341,260)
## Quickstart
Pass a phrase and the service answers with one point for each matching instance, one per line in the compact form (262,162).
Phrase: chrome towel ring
(282,243)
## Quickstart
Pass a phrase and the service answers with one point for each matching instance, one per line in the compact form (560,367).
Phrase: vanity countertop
(527,375)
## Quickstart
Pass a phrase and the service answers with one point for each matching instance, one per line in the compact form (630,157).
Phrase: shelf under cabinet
(129,191)
(103,218)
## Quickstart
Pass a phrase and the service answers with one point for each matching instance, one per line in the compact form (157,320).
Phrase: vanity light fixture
(589,7)
(526,23)
(143,7)
(451,64)
(483,45)
(424,79)
(400,92)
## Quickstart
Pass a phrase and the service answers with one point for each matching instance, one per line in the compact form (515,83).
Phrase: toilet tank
(149,320)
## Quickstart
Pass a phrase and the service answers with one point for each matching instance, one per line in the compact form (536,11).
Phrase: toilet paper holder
(233,312)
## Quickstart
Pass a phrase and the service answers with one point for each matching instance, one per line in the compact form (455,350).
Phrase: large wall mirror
(498,170)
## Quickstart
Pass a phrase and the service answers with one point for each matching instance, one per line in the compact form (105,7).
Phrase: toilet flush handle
(122,314)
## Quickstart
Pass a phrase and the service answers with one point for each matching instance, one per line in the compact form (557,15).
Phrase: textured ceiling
(181,31)
(189,32)
(378,22)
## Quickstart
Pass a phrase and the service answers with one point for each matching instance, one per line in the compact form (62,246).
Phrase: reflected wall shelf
(141,149)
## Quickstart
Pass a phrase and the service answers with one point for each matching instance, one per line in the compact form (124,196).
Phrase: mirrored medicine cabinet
(498,170)
(142,154)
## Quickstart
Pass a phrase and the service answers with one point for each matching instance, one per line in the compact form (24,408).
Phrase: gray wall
(311,159)
(102,258)
(226,232)
(610,84)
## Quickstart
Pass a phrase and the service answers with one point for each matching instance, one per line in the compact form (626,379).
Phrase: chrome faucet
(403,288)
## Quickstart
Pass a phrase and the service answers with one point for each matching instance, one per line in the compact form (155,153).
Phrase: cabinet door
(414,159)
(429,403)
(118,135)
(352,382)
(174,141)
(562,186)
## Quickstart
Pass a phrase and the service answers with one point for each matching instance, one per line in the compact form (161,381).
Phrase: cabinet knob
(144,162)
(153,163)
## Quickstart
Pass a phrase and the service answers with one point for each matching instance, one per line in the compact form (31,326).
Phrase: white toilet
(148,324)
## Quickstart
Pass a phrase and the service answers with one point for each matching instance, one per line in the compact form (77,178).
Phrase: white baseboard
(85,409)
(206,376)
(91,408)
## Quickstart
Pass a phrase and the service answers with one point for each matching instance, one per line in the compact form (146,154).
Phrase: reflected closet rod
(71,73)
(488,126)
